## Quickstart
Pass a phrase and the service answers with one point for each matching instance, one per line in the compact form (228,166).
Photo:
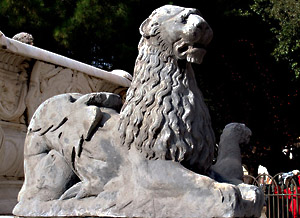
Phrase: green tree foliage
(283,17)
(87,30)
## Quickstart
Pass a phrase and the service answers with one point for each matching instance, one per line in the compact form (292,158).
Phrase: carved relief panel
(13,86)
(12,138)
(48,80)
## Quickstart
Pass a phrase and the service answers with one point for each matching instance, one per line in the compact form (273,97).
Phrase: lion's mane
(164,115)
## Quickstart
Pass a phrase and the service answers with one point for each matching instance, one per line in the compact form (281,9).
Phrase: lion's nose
(199,22)
(203,26)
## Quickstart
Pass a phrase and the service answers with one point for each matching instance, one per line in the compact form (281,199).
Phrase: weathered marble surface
(27,78)
(86,157)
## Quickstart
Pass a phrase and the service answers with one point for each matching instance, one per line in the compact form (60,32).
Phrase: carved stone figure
(164,115)
(24,37)
(86,157)
(228,167)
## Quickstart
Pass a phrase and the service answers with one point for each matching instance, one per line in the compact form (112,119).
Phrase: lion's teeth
(190,59)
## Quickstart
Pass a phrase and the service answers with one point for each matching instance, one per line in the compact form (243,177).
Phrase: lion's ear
(149,28)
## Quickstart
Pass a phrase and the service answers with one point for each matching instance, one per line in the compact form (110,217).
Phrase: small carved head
(24,37)
(240,131)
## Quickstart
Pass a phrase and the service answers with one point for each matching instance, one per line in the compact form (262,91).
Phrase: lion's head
(238,132)
(184,31)
(164,115)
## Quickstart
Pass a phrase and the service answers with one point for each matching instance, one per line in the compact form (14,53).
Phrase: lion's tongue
(195,55)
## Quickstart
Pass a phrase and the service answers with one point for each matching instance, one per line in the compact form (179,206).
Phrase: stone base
(219,200)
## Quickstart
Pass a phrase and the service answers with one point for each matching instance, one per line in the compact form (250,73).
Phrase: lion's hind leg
(47,177)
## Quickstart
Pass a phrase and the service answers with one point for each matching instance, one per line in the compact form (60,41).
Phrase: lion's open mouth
(196,48)
(184,48)
(193,53)
(199,45)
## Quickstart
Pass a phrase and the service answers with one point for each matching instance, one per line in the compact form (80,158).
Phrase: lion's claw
(79,190)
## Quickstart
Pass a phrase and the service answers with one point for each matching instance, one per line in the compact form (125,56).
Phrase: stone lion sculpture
(228,167)
(87,155)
